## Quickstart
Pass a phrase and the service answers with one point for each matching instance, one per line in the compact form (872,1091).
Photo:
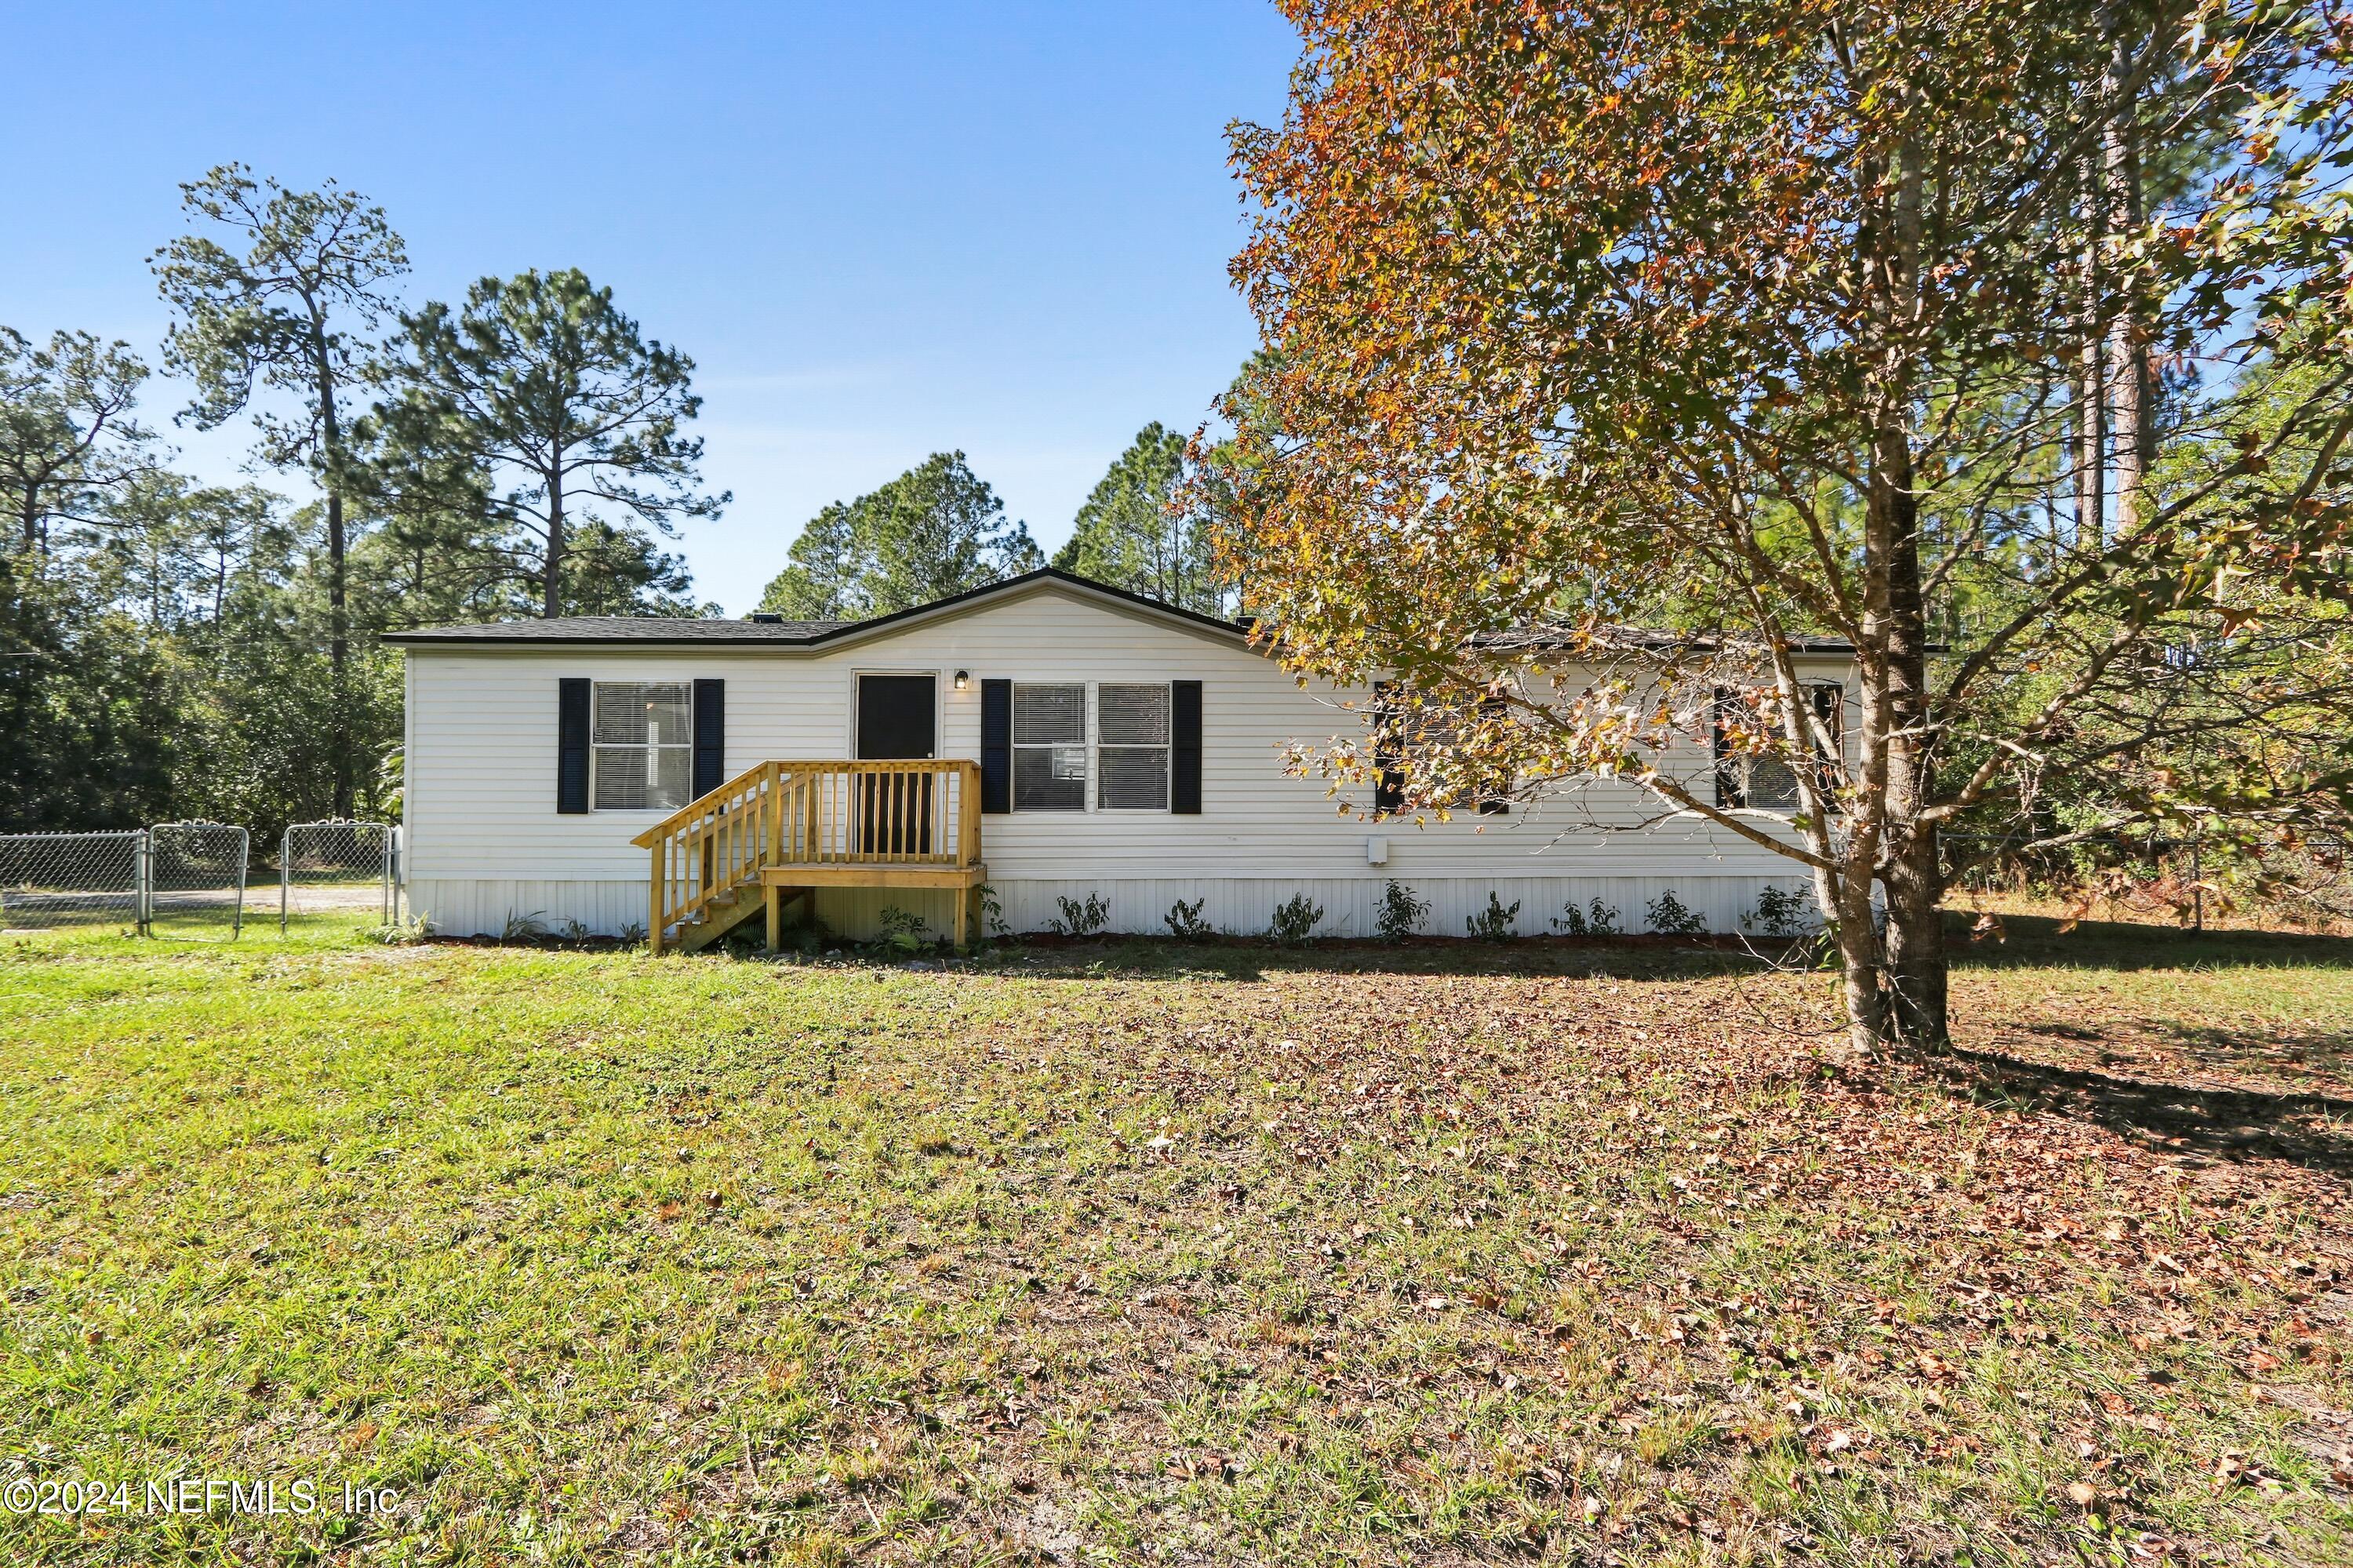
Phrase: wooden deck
(787,825)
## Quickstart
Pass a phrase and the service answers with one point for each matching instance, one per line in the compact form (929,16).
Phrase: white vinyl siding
(1131,747)
(643,750)
(1050,748)
(483,748)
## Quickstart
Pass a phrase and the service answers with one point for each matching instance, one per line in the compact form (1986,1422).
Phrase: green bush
(1668,917)
(901,931)
(1185,922)
(1493,923)
(1295,919)
(1081,920)
(1401,913)
(1781,911)
(1597,919)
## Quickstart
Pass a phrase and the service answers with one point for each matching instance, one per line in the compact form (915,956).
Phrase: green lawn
(1143,1253)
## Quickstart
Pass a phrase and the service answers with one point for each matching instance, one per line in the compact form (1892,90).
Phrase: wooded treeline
(172,649)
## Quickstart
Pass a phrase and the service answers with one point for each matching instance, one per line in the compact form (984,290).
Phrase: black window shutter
(1495,802)
(572,746)
(710,735)
(1830,708)
(1729,795)
(1389,780)
(996,747)
(1185,748)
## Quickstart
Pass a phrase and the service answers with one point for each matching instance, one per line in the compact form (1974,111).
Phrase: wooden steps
(783,827)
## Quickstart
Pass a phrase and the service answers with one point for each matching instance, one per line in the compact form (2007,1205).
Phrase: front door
(897,720)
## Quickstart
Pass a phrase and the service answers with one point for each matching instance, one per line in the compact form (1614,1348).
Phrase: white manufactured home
(1047,737)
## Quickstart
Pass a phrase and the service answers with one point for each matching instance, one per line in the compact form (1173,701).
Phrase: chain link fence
(195,880)
(338,867)
(190,880)
(72,879)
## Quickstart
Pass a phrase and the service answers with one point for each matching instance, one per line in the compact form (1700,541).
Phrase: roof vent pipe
(767,617)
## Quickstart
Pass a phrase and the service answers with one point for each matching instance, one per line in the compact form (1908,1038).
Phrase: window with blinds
(1050,748)
(1131,747)
(643,750)
(1768,783)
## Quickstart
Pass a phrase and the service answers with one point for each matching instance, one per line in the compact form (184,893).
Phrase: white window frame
(1085,743)
(1744,767)
(1168,750)
(597,749)
(1091,748)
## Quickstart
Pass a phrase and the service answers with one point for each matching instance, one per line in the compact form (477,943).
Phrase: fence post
(142,877)
(285,874)
(243,863)
(2196,874)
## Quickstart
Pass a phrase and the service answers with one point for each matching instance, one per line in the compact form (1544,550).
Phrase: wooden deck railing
(823,813)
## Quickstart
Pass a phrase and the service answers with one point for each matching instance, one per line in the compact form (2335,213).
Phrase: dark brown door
(897,720)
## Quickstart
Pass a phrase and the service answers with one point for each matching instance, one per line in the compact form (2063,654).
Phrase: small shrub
(1185,922)
(1597,919)
(1781,911)
(1493,923)
(523,928)
(633,935)
(1401,913)
(573,931)
(400,933)
(1081,920)
(1295,919)
(1668,917)
(900,930)
(992,914)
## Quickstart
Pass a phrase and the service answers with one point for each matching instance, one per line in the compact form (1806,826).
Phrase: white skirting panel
(484,906)
(1239,905)
(1245,905)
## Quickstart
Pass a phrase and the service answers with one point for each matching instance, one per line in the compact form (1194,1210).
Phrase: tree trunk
(339,629)
(2132,432)
(552,595)
(1914,952)
(2089,384)
(1862,992)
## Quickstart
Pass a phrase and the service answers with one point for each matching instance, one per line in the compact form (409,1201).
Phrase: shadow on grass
(2313,1131)
(1246,960)
(2036,941)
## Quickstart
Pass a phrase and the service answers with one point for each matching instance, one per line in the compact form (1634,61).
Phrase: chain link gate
(196,876)
(341,866)
(72,879)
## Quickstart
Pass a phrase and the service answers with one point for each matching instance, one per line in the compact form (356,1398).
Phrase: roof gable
(672,632)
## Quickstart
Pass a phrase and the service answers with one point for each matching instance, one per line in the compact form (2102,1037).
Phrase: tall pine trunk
(551,589)
(339,628)
(2089,379)
(2132,430)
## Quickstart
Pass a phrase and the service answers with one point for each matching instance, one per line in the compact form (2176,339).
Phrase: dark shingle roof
(626,628)
(649,631)
(1603,639)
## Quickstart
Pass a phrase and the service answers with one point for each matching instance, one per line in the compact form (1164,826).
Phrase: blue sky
(880,230)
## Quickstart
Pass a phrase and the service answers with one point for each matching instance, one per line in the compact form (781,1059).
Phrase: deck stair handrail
(707,856)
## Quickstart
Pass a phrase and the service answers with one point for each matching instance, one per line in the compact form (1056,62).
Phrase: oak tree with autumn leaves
(2007,342)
